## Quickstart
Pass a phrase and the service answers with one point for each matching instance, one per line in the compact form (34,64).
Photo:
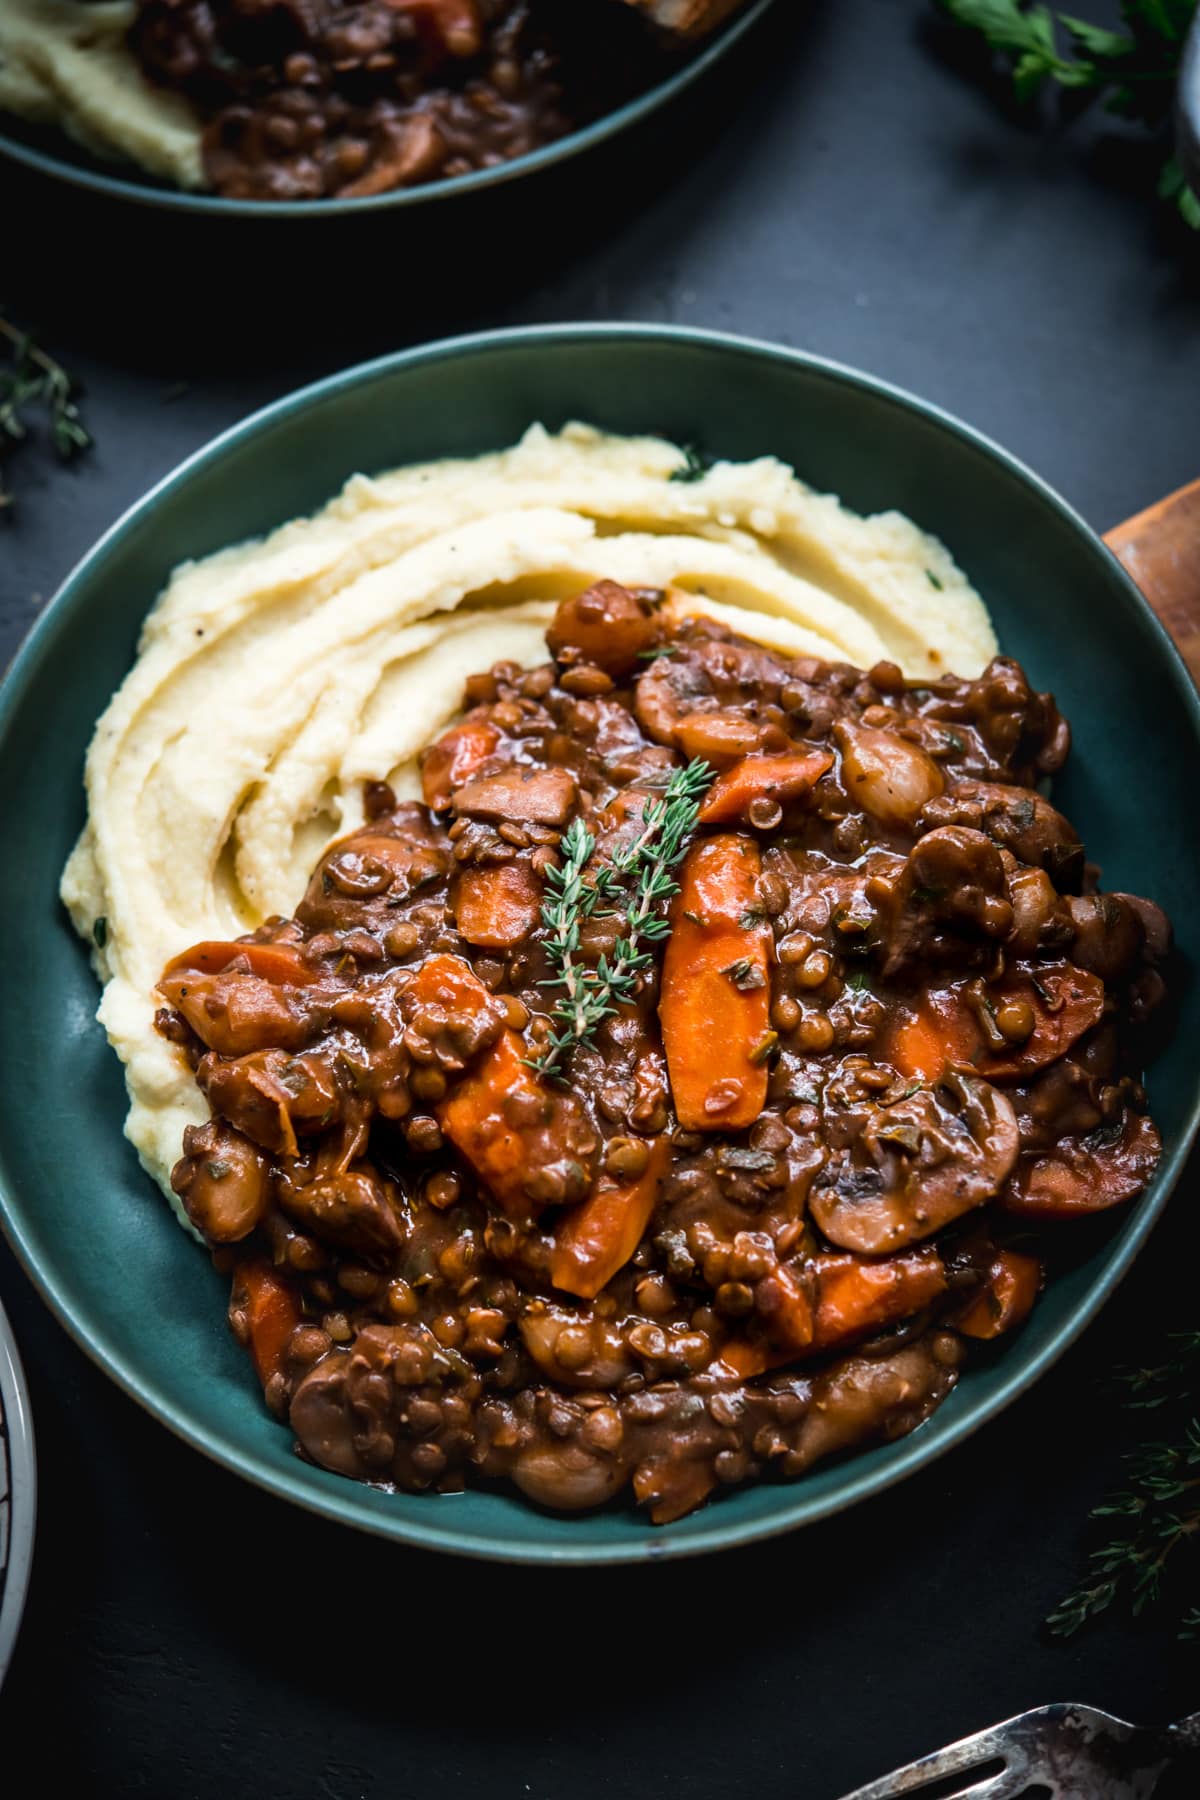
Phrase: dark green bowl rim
(146,193)
(795,1507)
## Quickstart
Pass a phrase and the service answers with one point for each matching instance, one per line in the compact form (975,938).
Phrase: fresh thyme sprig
(34,378)
(1159,1506)
(591,993)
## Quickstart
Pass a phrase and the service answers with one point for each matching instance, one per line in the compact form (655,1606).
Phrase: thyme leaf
(1157,1511)
(641,877)
(33,379)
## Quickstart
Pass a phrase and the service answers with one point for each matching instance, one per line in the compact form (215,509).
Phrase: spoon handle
(1187,108)
(1161,550)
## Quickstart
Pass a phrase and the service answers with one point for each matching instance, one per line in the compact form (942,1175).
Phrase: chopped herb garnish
(591,993)
(655,651)
(934,581)
(100,931)
(745,975)
(856,980)
(765,1048)
(694,466)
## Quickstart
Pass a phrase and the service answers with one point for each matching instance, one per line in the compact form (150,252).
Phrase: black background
(846,184)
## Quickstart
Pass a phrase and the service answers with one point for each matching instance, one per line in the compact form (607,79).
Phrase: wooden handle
(1161,550)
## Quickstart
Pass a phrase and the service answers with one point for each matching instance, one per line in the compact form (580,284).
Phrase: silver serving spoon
(1187,108)
(1061,1752)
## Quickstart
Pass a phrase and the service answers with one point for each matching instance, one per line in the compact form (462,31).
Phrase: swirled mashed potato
(273,679)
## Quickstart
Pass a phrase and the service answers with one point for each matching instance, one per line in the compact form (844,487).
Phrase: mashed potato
(274,678)
(65,63)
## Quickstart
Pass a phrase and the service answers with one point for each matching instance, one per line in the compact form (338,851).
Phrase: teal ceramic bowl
(93,1234)
(52,153)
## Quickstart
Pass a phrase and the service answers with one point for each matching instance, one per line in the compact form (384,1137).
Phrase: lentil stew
(306,99)
(676,1095)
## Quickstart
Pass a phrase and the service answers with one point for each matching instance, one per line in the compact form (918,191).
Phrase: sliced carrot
(716,995)
(786,1305)
(781,778)
(455,758)
(853,1299)
(597,1238)
(1064,1001)
(1006,1298)
(450,982)
(497,907)
(923,1042)
(272,1313)
(280,963)
(500,1113)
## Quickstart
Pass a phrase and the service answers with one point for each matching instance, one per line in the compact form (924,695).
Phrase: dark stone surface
(839,186)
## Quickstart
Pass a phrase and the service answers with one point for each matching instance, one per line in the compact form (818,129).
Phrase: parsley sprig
(641,875)
(1156,1515)
(1136,68)
(33,378)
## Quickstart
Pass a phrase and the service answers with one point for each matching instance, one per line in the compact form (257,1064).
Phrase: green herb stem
(1159,1508)
(35,379)
(1135,69)
(641,874)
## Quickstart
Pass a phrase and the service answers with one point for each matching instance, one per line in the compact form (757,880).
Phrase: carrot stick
(455,757)
(500,1113)
(280,963)
(271,1312)
(1063,1001)
(496,907)
(923,1042)
(1006,1299)
(716,991)
(598,1237)
(853,1299)
(475,1119)
(780,778)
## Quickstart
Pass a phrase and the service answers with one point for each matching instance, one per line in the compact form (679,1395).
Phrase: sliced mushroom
(899,1172)
(361,879)
(542,796)
(1115,933)
(352,1209)
(1087,1174)
(1016,818)
(270,1095)
(705,698)
(950,900)
(223,1182)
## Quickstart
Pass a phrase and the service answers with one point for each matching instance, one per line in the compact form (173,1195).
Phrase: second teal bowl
(54,155)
